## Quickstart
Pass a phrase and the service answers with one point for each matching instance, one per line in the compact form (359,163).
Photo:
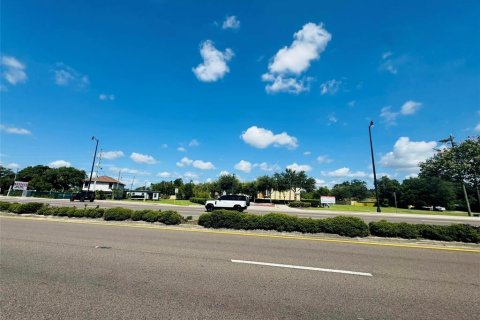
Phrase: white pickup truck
(229,201)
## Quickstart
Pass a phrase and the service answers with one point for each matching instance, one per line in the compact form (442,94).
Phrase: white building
(104,183)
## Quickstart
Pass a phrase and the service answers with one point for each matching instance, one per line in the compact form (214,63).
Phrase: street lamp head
(371,124)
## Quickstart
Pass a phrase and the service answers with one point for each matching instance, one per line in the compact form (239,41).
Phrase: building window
(110,185)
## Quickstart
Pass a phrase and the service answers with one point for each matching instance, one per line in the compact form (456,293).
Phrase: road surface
(65,270)
(196,211)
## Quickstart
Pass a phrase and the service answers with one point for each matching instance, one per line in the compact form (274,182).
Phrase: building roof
(105,179)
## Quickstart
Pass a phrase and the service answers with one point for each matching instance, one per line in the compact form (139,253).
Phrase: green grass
(168,201)
(339,207)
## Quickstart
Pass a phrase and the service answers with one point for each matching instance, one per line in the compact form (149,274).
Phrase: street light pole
(93,164)
(373,166)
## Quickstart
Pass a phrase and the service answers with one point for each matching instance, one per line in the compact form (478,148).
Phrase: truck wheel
(237,208)
(91,200)
(71,199)
(82,199)
(209,207)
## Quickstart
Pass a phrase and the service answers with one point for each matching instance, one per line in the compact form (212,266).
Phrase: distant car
(438,208)
(427,208)
(229,201)
(83,195)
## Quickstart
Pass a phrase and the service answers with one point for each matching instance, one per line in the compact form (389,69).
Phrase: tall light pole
(373,166)
(93,164)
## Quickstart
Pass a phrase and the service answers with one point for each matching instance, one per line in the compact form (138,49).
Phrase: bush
(21,208)
(454,232)
(4,206)
(151,216)
(93,213)
(345,226)
(170,217)
(117,214)
(315,203)
(199,200)
(139,215)
(46,210)
(299,204)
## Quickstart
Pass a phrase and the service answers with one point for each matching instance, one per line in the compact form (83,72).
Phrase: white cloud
(190,175)
(266,167)
(330,87)
(164,145)
(410,107)
(105,97)
(332,118)
(344,172)
(142,158)
(299,167)
(199,164)
(324,159)
(194,143)
(262,138)
(184,162)
(351,104)
(164,174)
(181,149)
(13,130)
(65,76)
(307,153)
(290,62)
(388,64)
(129,171)
(320,183)
(283,84)
(406,154)
(59,164)
(244,166)
(13,70)
(111,155)
(214,65)
(231,22)
(477,128)
(203,165)
(388,116)
(12,166)
(224,173)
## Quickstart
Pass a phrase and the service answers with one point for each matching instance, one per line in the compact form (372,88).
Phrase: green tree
(186,190)
(458,164)
(249,188)
(298,180)
(44,178)
(355,190)
(386,189)
(228,183)
(6,178)
(264,184)
(428,191)
(279,183)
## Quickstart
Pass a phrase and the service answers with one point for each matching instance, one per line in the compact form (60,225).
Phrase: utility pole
(373,166)
(118,180)
(97,169)
(93,164)
(11,187)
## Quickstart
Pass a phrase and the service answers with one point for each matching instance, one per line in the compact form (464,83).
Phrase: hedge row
(116,214)
(299,204)
(199,200)
(453,232)
(345,226)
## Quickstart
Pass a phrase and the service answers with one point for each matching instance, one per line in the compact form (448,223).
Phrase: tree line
(444,180)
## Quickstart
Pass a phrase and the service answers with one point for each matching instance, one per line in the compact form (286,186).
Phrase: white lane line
(433,220)
(302,267)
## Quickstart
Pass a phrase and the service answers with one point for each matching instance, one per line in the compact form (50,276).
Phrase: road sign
(327,200)
(20,185)
(176,190)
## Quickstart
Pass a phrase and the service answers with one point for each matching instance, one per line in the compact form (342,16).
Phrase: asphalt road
(62,270)
(196,211)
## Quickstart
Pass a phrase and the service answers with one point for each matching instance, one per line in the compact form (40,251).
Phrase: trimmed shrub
(299,204)
(139,215)
(151,216)
(64,211)
(46,210)
(344,226)
(29,207)
(93,213)
(4,206)
(117,214)
(199,200)
(170,217)
(315,203)
(454,232)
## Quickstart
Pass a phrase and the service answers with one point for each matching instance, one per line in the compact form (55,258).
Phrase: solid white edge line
(302,267)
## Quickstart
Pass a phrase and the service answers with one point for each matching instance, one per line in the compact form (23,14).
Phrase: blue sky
(182,89)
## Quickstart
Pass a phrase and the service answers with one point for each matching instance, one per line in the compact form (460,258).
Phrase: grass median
(348,208)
